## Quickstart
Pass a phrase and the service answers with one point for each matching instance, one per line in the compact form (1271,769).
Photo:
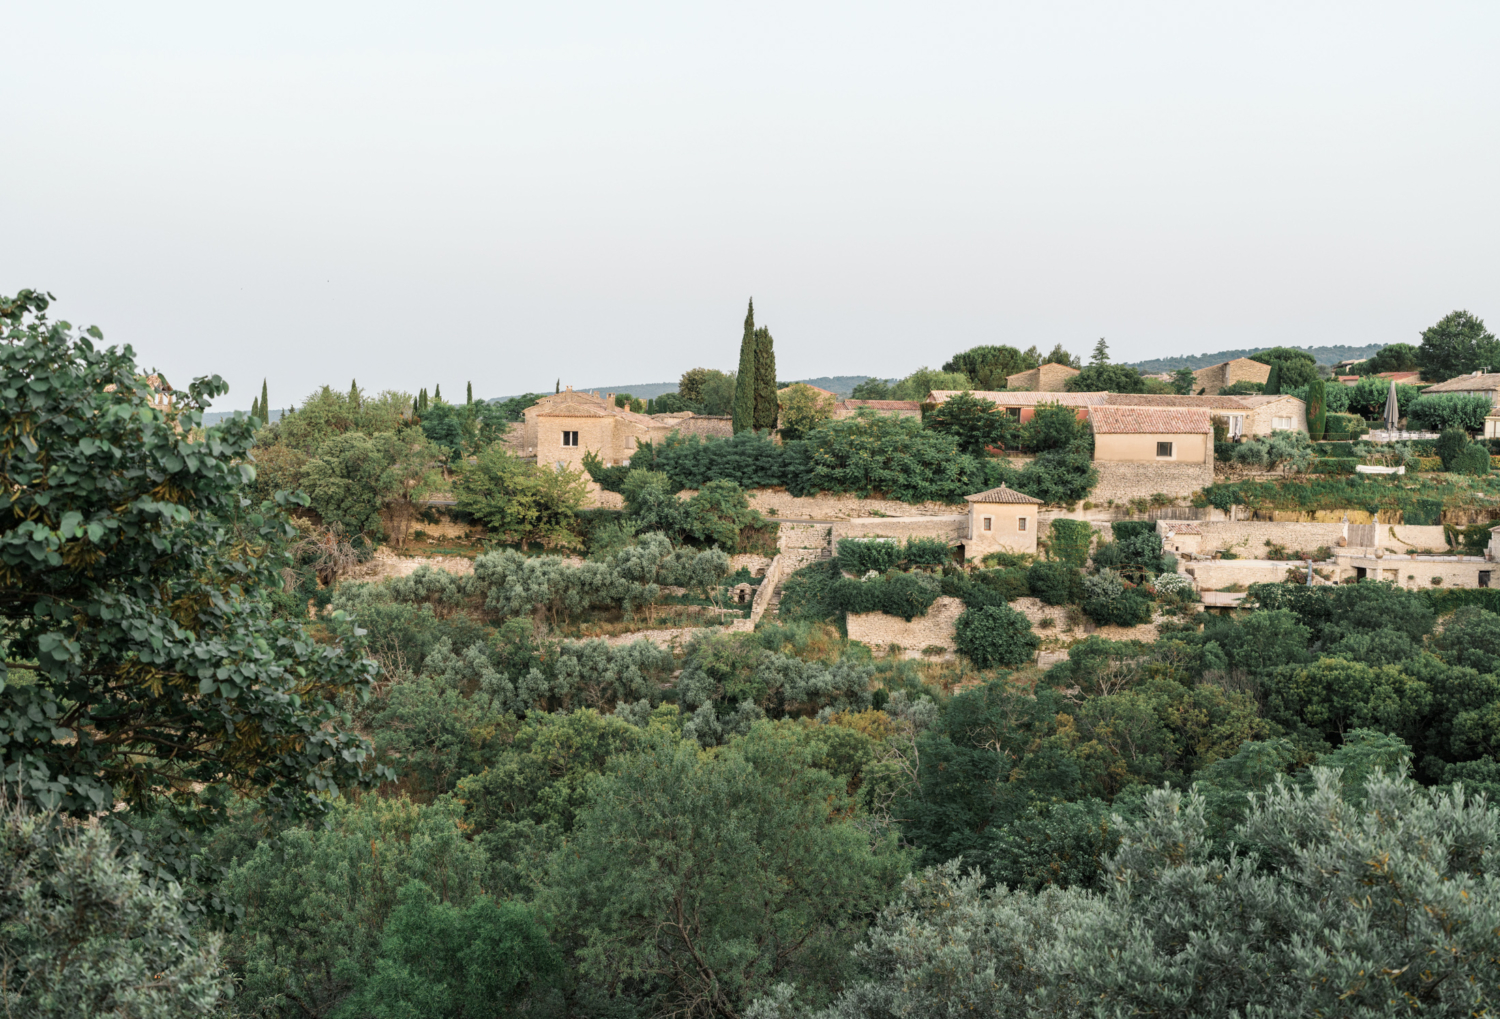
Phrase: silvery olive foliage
(1389,907)
(84,931)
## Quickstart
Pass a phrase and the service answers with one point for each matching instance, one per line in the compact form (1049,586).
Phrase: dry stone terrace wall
(948,528)
(1122,482)
(935,629)
(835,507)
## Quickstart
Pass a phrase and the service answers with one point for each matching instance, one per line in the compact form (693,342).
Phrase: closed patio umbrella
(1392,408)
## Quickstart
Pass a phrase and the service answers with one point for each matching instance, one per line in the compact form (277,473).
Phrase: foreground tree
(1374,902)
(709,877)
(1458,344)
(975,424)
(85,931)
(134,581)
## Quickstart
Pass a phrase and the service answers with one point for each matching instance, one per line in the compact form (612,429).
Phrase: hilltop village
(1000,682)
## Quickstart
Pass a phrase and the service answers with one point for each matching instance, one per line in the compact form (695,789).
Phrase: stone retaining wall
(948,528)
(1125,481)
(834,507)
(935,629)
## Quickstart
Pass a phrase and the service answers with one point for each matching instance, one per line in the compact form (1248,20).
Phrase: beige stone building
(1001,520)
(1244,415)
(559,429)
(1152,434)
(1023,405)
(886,408)
(1045,378)
(1482,384)
(1215,377)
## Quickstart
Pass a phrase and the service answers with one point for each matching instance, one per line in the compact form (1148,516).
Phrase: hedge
(1429,463)
(907,595)
(1473,459)
(1448,599)
(861,555)
(1334,465)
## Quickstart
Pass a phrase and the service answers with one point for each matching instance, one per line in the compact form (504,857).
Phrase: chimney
(570,389)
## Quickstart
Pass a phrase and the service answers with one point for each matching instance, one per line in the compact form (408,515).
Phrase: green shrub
(1344,426)
(861,555)
(1442,411)
(1334,465)
(1069,541)
(907,595)
(1449,445)
(1473,459)
(1424,512)
(1450,599)
(1055,582)
(807,595)
(1429,463)
(896,457)
(994,636)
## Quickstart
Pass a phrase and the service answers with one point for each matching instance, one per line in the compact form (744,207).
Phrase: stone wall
(935,629)
(835,507)
(1248,537)
(1416,573)
(1125,481)
(949,528)
(1218,376)
(1216,573)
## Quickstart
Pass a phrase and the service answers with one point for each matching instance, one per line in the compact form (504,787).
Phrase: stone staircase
(799,545)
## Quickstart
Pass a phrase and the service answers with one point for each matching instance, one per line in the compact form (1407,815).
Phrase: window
(1014,412)
(1484,578)
(1164,449)
(987,522)
(1020,523)
(570,438)
(1281,424)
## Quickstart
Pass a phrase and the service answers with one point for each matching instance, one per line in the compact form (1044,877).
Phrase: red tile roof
(1150,420)
(1023,399)
(1003,494)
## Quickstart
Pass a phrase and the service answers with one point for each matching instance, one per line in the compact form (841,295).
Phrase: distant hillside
(1324,355)
(843,385)
(213,417)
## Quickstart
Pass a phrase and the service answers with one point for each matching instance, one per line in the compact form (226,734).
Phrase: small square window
(987,522)
(1014,412)
(1164,449)
(1020,523)
(570,438)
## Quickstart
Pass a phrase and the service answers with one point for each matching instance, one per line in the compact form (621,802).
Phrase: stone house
(560,429)
(1179,536)
(1168,435)
(1023,405)
(1208,381)
(1485,384)
(1044,378)
(1001,520)
(885,408)
(1244,415)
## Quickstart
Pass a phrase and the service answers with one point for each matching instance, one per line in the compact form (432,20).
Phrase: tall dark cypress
(766,406)
(744,384)
(265,402)
(469,395)
(353,393)
(1273,381)
(255,410)
(437,392)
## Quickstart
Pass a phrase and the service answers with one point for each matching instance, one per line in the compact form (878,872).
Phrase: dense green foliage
(861,555)
(995,635)
(1457,345)
(1448,410)
(976,425)
(1293,368)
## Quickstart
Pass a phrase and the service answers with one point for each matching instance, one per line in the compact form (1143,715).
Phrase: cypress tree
(1317,408)
(437,393)
(469,395)
(265,401)
(353,393)
(557,386)
(1273,381)
(744,383)
(255,409)
(766,406)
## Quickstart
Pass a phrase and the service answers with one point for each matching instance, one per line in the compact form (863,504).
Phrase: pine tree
(1101,353)
(766,406)
(437,393)
(353,393)
(469,395)
(744,384)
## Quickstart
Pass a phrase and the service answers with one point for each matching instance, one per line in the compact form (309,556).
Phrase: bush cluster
(861,555)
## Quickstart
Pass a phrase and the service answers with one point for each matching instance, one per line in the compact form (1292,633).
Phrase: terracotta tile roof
(1261,401)
(1007,399)
(1168,400)
(1150,420)
(1467,384)
(881,404)
(1003,494)
(574,412)
(1185,528)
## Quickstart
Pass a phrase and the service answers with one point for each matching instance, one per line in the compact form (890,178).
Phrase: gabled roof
(1003,494)
(881,404)
(1031,399)
(1467,383)
(1261,400)
(1171,400)
(1184,528)
(1157,420)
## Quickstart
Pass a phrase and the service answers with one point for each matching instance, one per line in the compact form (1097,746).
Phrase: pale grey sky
(414,194)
